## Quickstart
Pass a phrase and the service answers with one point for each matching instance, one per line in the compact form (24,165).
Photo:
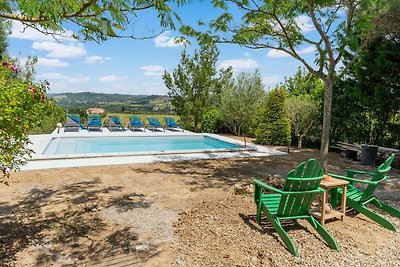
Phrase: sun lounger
(171,124)
(73,123)
(136,123)
(94,123)
(154,124)
(114,123)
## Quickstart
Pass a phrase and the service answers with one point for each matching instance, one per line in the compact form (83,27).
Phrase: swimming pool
(95,145)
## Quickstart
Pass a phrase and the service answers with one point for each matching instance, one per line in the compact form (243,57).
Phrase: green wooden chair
(293,202)
(358,198)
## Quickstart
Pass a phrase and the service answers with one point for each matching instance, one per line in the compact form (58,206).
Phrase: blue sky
(129,66)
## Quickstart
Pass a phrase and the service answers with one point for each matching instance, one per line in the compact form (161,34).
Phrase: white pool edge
(40,142)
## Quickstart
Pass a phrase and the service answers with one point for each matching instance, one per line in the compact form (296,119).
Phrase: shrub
(212,121)
(273,122)
(21,106)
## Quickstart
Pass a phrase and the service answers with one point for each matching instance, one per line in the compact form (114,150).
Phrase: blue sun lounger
(94,122)
(73,123)
(154,124)
(171,124)
(114,123)
(136,123)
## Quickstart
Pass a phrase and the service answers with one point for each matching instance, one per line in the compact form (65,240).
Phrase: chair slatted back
(116,119)
(75,117)
(379,175)
(135,121)
(305,178)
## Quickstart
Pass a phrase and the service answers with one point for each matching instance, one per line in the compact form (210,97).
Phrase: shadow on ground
(62,225)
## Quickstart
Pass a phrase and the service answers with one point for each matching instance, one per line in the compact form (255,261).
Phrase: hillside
(114,102)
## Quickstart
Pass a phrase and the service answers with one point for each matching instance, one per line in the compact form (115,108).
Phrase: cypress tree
(274,123)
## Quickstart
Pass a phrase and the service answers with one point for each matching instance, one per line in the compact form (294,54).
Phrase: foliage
(21,106)
(372,88)
(114,102)
(192,85)
(273,122)
(304,83)
(212,121)
(240,102)
(303,113)
(280,25)
(95,20)
(49,119)
(4,29)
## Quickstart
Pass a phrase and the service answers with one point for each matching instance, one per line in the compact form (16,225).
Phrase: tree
(192,85)
(303,113)
(240,102)
(304,83)
(273,121)
(94,19)
(279,25)
(372,87)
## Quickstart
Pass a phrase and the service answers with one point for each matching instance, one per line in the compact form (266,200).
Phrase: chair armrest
(268,187)
(276,190)
(359,172)
(353,179)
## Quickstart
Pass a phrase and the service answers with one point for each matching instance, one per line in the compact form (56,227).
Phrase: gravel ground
(176,214)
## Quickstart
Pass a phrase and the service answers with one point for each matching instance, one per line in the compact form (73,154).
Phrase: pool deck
(40,142)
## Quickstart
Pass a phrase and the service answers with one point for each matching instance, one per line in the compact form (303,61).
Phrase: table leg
(344,195)
(334,198)
(324,195)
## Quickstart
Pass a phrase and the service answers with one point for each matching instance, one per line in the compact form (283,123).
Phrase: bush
(21,107)
(273,122)
(212,122)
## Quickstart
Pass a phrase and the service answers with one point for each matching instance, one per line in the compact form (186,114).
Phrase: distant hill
(114,102)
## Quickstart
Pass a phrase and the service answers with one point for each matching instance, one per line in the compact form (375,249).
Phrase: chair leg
(259,210)
(281,232)
(386,207)
(322,231)
(372,215)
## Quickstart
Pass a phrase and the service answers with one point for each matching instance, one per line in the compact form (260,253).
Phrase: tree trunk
(299,142)
(326,127)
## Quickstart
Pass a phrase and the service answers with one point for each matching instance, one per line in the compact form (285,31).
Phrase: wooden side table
(329,183)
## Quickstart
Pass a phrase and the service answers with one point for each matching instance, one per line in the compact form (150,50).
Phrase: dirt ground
(176,214)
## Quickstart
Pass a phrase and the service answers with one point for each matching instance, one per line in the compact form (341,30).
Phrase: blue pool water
(88,145)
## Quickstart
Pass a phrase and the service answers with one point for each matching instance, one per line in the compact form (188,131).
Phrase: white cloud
(19,31)
(271,80)
(51,63)
(53,76)
(110,78)
(305,23)
(79,79)
(165,40)
(278,53)
(153,70)
(306,50)
(58,50)
(56,77)
(239,65)
(96,59)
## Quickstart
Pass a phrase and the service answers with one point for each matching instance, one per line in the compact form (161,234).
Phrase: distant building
(95,111)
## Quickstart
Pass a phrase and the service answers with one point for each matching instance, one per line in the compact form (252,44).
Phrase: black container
(368,154)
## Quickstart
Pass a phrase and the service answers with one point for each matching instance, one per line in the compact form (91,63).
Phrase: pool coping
(40,142)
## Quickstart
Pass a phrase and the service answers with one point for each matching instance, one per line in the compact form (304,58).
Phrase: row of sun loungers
(73,124)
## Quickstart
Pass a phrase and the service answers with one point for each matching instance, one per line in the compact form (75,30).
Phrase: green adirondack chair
(358,198)
(293,202)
